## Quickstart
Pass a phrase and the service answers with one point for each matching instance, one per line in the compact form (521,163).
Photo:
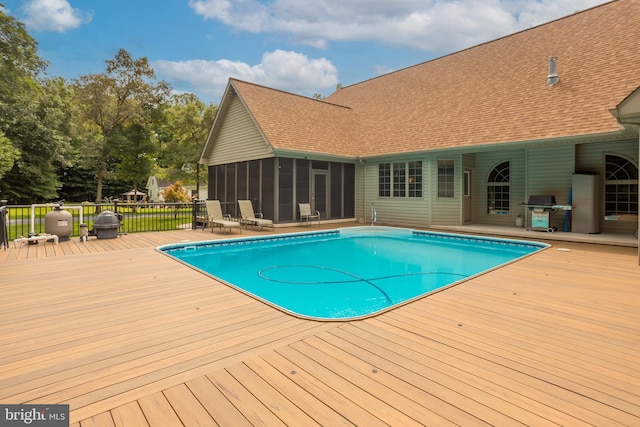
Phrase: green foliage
(112,101)
(19,61)
(41,132)
(8,154)
(183,128)
(101,134)
(176,193)
(33,118)
(135,149)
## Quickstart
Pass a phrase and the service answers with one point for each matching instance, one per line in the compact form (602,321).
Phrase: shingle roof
(292,122)
(495,92)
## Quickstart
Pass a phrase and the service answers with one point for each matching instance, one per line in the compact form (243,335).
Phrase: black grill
(545,202)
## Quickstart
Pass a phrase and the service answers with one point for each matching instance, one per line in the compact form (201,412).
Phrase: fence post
(196,211)
(4,238)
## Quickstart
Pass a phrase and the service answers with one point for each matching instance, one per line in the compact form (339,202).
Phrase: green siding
(549,172)
(544,170)
(485,162)
(590,158)
(446,210)
(400,211)
(239,139)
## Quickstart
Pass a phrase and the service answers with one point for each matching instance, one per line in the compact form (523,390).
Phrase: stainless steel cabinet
(585,216)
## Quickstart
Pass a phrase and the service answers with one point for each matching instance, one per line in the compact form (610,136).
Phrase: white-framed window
(414,178)
(384,180)
(621,186)
(400,179)
(446,178)
(498,188)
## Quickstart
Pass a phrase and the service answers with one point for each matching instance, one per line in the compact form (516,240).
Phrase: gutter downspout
(616,113)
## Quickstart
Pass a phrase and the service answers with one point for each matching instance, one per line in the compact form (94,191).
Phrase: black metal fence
(25,220)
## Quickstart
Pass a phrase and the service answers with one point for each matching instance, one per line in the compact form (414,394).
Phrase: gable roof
(497,92)
(628,111)
(293,122)
(492,93)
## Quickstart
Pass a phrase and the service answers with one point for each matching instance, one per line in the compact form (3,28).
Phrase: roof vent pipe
(552,78)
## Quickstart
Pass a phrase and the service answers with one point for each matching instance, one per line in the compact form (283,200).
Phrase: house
(462,139)
(197,193)
(156,186)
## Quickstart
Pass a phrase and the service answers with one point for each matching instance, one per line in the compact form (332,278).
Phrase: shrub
(176,193)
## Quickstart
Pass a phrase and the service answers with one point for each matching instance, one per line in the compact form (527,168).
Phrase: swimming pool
(347,273)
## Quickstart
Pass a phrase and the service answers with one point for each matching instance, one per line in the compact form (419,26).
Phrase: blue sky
(300,46)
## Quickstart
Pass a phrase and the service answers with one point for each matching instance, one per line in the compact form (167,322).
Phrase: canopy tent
(134,196)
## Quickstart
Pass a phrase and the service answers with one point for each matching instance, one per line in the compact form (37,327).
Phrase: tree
(124,95)
(33,117)
(19,61)
(43,133)
(183,128)
(8,154)
(175,193)
(135,149)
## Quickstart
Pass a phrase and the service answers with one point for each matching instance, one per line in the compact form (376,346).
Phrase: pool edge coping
(287,236)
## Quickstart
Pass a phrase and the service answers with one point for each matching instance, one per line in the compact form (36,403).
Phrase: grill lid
(542,200)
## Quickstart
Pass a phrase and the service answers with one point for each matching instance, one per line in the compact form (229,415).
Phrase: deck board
(158,411)
(268,396)
(322,368)
(129,415)
(478,374)
(240,396)
(407,378)
(187,406)
(399,392)
(319,394)
(216,403)
(127,336)
(282,383)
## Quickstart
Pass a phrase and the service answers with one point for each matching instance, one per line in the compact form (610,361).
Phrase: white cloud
(382,69)
(531,13)
(248,15)
(289,71)
(53,15)
(433,25)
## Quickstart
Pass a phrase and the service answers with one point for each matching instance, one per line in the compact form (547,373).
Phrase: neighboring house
(196,193)
(155,188)
(462,139)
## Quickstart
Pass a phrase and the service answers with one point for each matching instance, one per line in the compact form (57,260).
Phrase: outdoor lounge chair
(248,217)
(216,218)
(306,214)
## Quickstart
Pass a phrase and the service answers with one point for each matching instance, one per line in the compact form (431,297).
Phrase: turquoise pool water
(347,273)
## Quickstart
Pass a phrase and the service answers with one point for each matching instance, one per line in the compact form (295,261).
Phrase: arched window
(498,189)
(621,186)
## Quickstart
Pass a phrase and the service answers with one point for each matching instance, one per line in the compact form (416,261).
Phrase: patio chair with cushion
(249,217)
(217,219)
(306,214)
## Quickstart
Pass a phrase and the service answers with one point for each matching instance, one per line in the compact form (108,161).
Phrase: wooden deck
(128,337)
